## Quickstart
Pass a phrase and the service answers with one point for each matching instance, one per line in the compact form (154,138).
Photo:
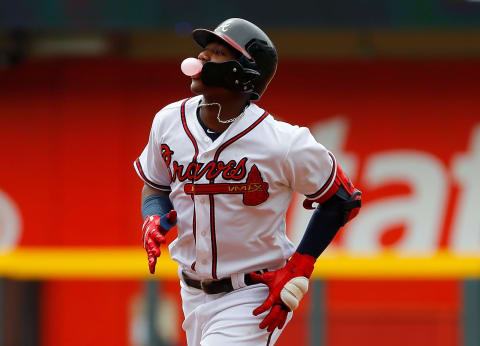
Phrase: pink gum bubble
(191,66)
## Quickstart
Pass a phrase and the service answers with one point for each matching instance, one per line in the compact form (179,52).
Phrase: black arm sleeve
(326,220)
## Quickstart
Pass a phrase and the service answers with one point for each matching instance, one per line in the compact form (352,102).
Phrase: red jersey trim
(213,236)
(269,338)
(141,173)
(187,130)
(194,159)
(240,135)
(328,184)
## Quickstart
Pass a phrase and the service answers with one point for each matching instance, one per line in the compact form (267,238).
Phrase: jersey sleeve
(311,168)
(150,166)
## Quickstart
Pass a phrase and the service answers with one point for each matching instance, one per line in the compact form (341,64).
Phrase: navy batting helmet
(255,67)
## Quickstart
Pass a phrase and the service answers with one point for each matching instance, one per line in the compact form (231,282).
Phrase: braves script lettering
(231,170)
(254,190)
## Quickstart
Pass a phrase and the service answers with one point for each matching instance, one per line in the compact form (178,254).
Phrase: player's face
(214,52)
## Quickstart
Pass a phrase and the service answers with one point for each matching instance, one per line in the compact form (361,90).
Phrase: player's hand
(154,230)
(287,287)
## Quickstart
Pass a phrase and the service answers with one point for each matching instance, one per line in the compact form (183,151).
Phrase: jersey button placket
(203,243)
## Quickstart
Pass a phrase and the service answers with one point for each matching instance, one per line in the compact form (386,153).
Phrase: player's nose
(204,56)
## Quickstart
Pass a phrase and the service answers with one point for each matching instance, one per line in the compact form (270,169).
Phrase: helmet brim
(204,37)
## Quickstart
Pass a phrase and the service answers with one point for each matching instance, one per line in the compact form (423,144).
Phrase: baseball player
(224,170)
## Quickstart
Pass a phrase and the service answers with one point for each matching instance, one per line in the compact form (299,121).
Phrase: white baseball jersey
(232,194)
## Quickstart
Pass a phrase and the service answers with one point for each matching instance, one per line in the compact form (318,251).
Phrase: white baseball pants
(226,318)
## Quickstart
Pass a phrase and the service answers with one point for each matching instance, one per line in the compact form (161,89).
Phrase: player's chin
(197,87)
(212,92)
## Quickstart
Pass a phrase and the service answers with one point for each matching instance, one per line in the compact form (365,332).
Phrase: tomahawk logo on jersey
(231,194)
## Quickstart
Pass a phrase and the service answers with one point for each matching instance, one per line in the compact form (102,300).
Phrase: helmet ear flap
(266,60)
(264,55)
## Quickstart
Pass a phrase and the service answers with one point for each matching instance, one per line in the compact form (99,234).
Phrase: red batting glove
(287,287)
(154,230)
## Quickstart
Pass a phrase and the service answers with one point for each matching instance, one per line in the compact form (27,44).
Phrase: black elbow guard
(345,203)
(341,197)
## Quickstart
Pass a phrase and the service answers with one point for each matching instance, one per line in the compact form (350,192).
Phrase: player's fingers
(261,309)
(264,324)
(269,319)
(151,243)
(152,247)
(158,237)
(275,324)
(272,327)
(267,304)
(152,262)
(283,318)
(276,319)
(152,255)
